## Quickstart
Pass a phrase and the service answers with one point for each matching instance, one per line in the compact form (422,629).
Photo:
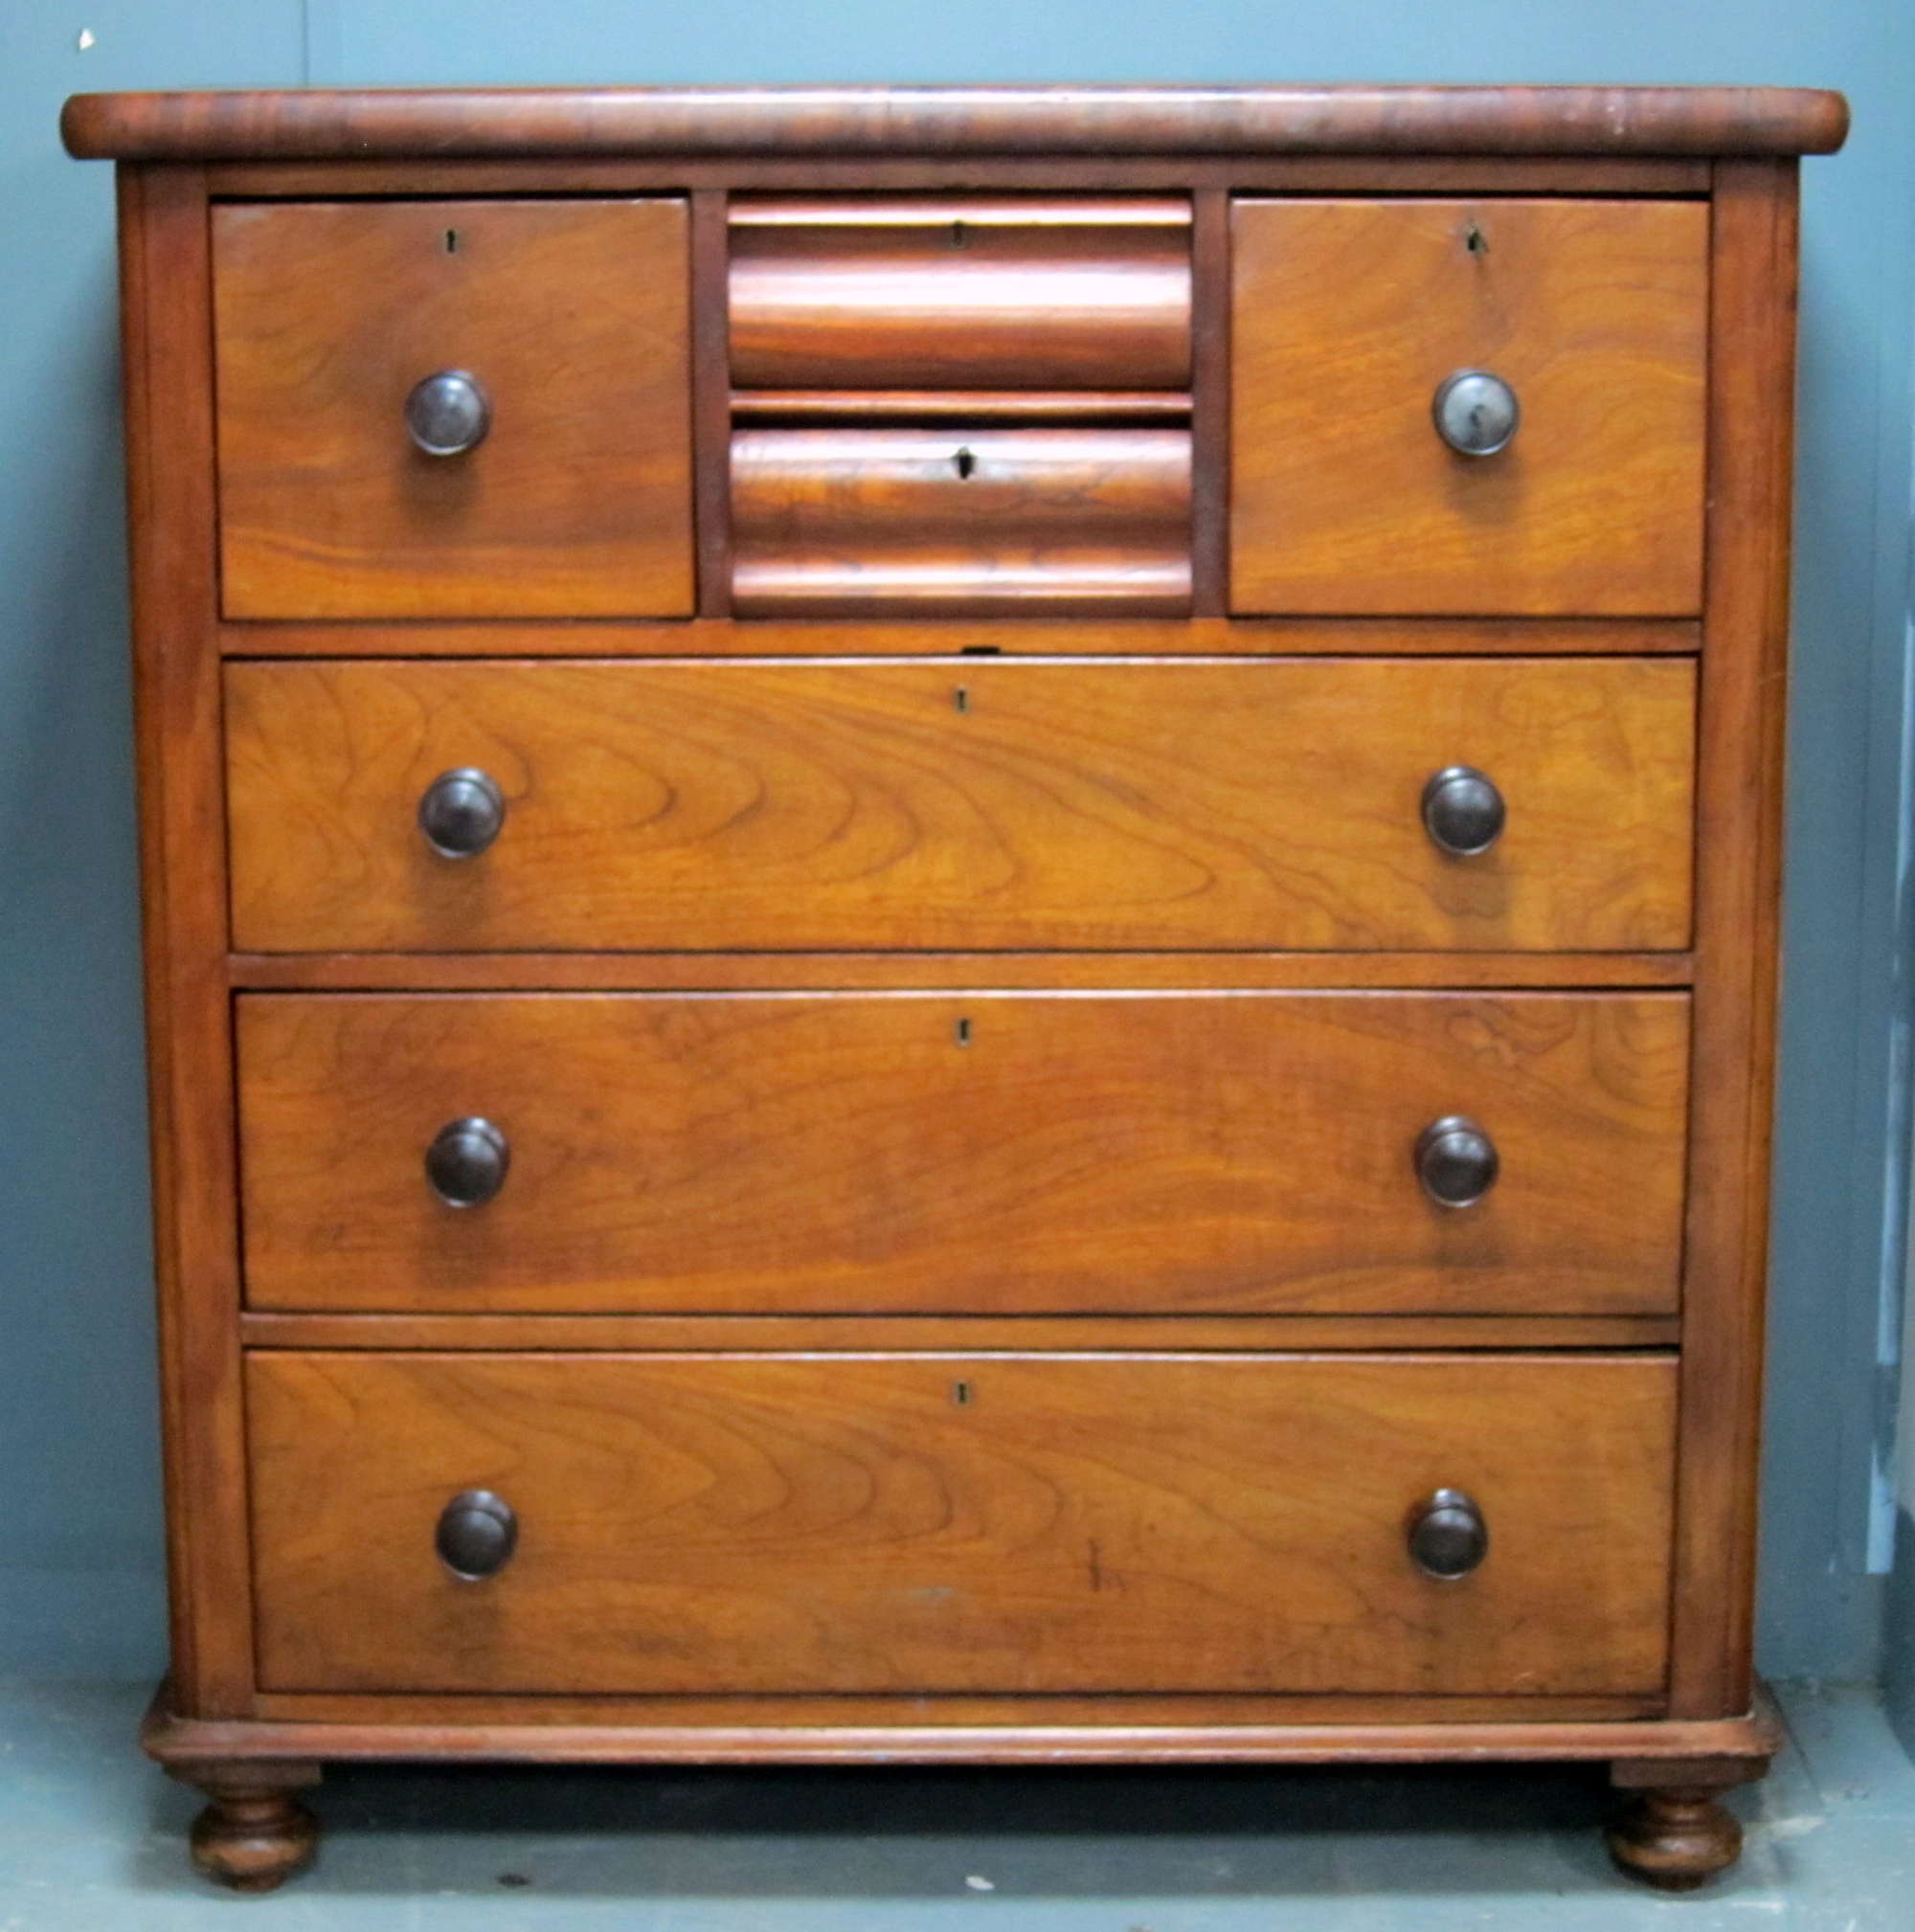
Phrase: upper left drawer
(562,483)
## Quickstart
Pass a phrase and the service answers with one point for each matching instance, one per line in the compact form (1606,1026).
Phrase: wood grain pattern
(1348,314)
(957,1524)
(1738,825)
(960,292)
(350,125)
(717,806)
(976,519)
(1103,637)
(573,315)
(1007,1154)
(1185,1334)
(166,360)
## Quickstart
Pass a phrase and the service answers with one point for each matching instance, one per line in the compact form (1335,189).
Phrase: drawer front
(969,520)
(945,1154)
(983,1524)
(1348,315)
(958,292)
(963,804)
(570,316)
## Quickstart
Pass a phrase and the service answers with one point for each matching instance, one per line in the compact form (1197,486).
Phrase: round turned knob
(1457,1162)
(1462,811)
(477,1534)
(1448,1537)
(1477,413)
(447,413)
(462,812)
(466,1165)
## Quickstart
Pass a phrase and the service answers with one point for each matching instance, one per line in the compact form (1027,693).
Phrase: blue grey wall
(77,1414)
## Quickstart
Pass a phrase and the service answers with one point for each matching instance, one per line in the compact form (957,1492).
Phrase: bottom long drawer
(961,1523)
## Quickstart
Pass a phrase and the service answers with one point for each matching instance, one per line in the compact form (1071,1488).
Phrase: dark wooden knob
(466,1162)
(1475,412)
(1463,809)
(1448,1537)
(477,1534)
(448,413)
(462,812)
(1457,1162)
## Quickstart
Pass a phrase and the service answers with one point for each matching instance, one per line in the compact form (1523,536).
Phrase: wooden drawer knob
(1447,1536)
(476,1534)
(466,1162)
(1477,413)
(1462,811)
(462,812)
(448,413)
(1457,1162)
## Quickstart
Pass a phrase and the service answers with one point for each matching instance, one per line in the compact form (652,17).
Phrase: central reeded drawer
(966,804)
(979,520)
(945,1154)
(1015,292)
(958,1523)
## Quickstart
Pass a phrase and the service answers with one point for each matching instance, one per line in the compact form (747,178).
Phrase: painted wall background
(80,1588)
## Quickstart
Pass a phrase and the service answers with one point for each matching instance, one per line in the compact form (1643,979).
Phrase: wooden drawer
(972,520)
(1347,316)
(946,1154)
(958,292)
(572,317)
(961,1523)
(971,803)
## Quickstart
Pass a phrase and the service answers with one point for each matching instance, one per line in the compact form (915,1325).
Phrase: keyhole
(961,1394)
(966,463)
(452,241)
(958,237)
(962,698)
(1476,241)
(962,1032)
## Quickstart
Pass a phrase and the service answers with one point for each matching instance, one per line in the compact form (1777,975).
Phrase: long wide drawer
(981,1523)
(967,803)
(941,1154)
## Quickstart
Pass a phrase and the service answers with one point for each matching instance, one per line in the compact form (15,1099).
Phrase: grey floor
(92,1839)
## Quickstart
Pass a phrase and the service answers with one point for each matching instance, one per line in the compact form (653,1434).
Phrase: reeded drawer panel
(959,1153)
(975,520)
(959,1523)
(564,323)
(960,292)
(969,803)
(1347,317)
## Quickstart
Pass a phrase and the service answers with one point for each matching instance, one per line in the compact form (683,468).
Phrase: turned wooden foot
(1676,1837)
(254,1833)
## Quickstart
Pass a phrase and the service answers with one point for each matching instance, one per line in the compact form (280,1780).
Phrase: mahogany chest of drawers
(960,924)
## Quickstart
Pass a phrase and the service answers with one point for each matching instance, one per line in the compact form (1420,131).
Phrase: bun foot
(254,1833)
(1676,1839)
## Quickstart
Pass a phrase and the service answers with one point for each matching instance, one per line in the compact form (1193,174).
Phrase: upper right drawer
(1468,407)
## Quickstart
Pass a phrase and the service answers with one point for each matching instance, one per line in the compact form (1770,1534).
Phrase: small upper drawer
(1374,803)
(948,292)
(975,520)
(559,483)
(1581,328)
